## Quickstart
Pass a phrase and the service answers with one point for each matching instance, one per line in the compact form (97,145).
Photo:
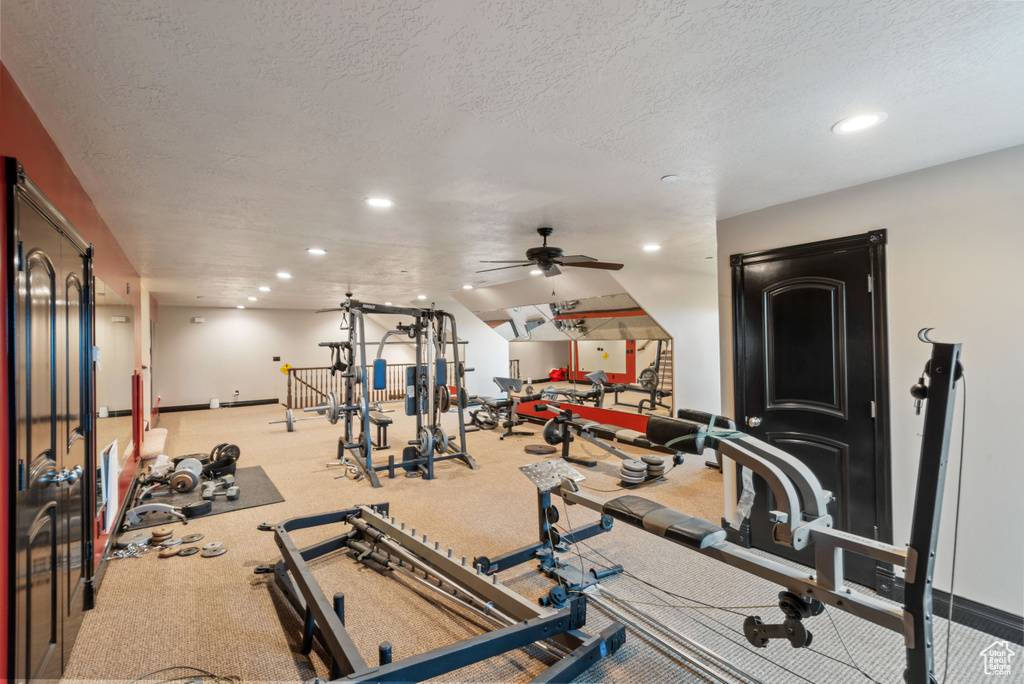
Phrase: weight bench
(381,422)
(662,521)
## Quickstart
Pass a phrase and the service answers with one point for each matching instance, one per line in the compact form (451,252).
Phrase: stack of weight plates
(655,466)
(632,471)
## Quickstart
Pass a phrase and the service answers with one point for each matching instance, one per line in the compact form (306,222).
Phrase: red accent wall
(23,135)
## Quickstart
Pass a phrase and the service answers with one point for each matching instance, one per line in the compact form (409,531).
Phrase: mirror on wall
(581,324)
(115,362)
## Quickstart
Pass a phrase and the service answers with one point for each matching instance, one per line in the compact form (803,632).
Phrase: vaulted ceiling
(220,140)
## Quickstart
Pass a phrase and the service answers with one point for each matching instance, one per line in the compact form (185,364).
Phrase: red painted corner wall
(22,135)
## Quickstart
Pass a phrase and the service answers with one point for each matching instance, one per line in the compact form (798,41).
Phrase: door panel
(37,503)
(806,363)
(74,431)
(807,368)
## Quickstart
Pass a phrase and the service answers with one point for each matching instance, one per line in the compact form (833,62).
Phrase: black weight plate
(187,550)
(539,449)
(410,454)
(197,508)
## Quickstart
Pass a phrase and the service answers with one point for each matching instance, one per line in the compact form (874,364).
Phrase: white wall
(685,304)
(956,235)
(234,349)
(536,359)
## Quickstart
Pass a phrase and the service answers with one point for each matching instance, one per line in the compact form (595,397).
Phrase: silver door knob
(753,421)
(69,476)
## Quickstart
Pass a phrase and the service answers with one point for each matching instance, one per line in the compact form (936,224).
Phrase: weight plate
(334,410)
(289,420)
(649,379)
(184,481)
(528,390)
(187,550)
(463,398)
(167,553)
(634,466)
(211,553)
(653,460)
(440,440)
(173,541)
(191,538)
(163,532)
(631,480)
(212,545)
(539,449)
(321,408)
(426,442)
(197,508)
(141,537)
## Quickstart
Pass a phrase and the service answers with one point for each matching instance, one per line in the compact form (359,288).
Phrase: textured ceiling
(220,139)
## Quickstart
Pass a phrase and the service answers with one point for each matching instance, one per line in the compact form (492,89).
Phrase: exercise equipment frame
(521,622)
(801,520)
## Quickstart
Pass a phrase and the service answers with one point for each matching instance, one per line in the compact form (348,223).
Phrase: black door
(50,400)
(811,379)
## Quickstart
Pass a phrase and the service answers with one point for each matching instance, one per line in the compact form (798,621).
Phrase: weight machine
(800,521)
(427,391)
(650,381)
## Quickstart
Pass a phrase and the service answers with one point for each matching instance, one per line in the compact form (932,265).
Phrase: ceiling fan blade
(517,261)
(502,268)
(574,259)
(597,264)
(551,271)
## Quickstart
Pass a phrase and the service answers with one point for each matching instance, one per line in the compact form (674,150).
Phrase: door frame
(875,241)
(18,185)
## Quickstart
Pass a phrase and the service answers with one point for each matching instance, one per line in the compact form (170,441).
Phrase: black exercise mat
(256,490)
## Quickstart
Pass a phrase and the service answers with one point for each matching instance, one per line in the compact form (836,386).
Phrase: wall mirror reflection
(115,361)
(610,352)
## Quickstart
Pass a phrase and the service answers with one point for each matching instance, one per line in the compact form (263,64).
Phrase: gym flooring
(215,614)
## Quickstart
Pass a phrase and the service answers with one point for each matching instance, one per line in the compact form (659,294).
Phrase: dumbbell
(210,491)
(290,419)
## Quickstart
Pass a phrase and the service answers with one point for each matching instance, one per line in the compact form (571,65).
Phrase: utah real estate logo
(997,658)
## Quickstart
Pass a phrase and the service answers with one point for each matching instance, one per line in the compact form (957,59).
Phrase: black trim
(201,407)
(999,623)
(874,238)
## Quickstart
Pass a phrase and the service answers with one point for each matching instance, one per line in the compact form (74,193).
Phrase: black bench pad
(378,418)
(663,521)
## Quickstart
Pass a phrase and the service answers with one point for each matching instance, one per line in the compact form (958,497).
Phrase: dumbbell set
(231,490)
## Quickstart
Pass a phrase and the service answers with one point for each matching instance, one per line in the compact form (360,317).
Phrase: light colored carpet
(215,614)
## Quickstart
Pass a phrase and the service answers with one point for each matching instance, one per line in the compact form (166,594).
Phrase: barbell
(290,419)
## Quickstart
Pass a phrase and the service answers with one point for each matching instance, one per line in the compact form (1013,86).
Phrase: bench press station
(801,521)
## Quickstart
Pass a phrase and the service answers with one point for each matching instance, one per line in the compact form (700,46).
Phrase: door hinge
(872,409)
(870,282)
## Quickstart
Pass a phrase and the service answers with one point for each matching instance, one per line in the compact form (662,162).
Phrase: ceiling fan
(548,259)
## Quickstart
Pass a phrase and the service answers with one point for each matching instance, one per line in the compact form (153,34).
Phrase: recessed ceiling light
(317,251)
(252,299)
(852,124)
(264,288)
(652,248)
(387,303)
(670,178)
(239,307)
(379,202)
(536,271)
(284,276)
(421,297)
(467,287)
